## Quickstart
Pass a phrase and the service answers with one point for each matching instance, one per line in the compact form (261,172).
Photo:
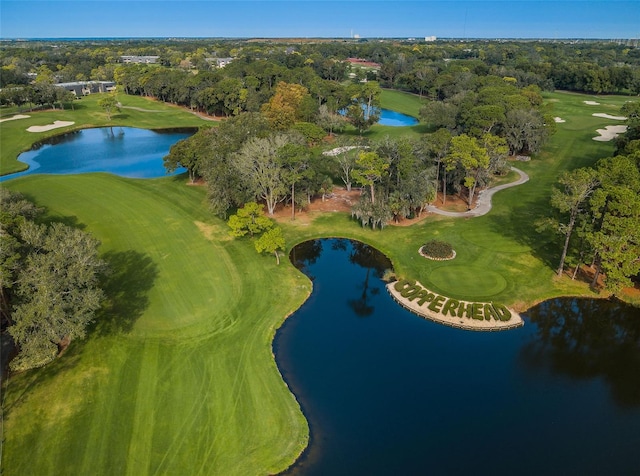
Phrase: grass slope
(178,375)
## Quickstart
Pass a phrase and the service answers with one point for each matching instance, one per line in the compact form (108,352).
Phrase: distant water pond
(387,392)
(393,118)
(124,151)
(396,119)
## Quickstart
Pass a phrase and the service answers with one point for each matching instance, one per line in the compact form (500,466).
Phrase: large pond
(387,392)
(124,151)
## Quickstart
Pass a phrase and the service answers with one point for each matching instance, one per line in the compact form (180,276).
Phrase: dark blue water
(389,393)
(124,151)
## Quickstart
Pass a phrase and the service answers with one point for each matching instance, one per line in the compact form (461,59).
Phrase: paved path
(483,204)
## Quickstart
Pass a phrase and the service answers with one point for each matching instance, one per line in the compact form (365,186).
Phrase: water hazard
(387,392)
(124,151)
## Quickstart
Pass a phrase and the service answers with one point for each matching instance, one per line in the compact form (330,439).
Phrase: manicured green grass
(399,101)
(178,376)
(85,113)
(404,103)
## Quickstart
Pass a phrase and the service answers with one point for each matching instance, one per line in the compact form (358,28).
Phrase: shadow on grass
(131,277)
(520,224)
(20,384)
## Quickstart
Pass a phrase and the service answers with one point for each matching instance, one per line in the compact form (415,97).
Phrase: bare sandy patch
(609,133)
(591,103)
(13,118)
(212,232)
(48,127)
(559,120)
(608,116)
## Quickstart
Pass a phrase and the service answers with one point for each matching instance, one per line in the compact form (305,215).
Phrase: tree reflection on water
(588,338)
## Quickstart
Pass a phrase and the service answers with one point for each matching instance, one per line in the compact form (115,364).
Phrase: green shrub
(437,249)
(311,132)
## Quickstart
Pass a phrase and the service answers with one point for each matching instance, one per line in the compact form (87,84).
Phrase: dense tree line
(49,281)
(586,66)
(599,215)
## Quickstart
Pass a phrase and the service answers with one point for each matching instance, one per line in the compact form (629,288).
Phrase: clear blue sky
(320,18)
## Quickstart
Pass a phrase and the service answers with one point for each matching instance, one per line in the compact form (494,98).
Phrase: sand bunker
(607,116)
(13,118)
(559,120)
(591,103)
(340,150)
(609,133)
(48,127)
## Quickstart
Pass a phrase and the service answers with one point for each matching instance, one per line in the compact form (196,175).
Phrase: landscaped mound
(437,250)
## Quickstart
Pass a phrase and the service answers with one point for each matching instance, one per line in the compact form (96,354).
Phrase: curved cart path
(483,204)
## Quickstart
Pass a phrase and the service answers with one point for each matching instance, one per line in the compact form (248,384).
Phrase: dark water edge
(124,151)
(386,392)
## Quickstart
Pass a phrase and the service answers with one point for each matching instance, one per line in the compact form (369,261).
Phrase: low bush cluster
(437,249)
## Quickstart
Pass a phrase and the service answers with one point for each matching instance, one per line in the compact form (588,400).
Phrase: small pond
(393,118)
(396,119)
(387,392)
(124,151)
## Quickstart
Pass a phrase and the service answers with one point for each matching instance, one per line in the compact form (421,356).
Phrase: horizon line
(412,37)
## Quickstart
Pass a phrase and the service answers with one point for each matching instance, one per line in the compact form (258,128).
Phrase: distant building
(84,88)
(140,59)
(219,62)
(430,38)
(363,63)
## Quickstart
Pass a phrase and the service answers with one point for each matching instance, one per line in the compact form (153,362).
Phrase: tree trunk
(293,201)
(373,196)
(572,220)
(444,186)
(594,281)
(277,257)
(437,177)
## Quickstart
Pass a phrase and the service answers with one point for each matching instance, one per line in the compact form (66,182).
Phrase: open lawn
(178,376)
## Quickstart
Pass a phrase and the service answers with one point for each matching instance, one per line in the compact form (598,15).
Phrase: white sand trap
(591,103)
(13,118)
(48,127)
(609,133)
(607,116)
(559,120)
(340,150)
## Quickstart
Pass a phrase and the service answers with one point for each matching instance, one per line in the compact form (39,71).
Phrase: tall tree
(186,153)
(437,146)
(56,291)
(370,169)
(576,187)
(286,105)
(108,103)
(473,158)
(249,219)
(259,165)
(616,209)
(271,241)
(295,159)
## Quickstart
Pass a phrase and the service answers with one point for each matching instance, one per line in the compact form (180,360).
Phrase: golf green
(460,280)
